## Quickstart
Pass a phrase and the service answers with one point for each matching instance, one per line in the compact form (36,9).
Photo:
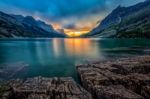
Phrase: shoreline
(120,78)
(43,88)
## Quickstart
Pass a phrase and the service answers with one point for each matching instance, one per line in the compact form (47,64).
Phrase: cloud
(70,26)
(68,13)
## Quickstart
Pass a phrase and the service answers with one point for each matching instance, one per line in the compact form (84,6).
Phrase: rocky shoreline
(126,78)
(43,88)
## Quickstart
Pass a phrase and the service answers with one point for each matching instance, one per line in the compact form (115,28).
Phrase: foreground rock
(127,78)
(43,88)
(9,70)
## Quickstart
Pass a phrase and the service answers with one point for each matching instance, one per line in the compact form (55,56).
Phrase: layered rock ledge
(125,78)
(43,88)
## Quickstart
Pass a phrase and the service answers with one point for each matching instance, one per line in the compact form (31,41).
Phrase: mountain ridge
(120,20)
(19,26)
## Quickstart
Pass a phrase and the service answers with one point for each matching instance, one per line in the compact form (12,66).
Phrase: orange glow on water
(75,47)
(80,47)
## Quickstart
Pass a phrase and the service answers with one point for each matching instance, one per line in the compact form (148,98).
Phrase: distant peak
(118,9)
(29,17)
(119,6)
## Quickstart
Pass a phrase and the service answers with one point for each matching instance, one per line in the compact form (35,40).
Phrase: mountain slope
(19,26)
(125,22)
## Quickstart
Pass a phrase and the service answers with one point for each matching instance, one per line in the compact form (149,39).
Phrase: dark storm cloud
(69,26)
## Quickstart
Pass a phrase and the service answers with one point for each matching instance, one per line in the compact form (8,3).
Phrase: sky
(71,15)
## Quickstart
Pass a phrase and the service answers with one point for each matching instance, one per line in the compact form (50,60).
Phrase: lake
(58,57)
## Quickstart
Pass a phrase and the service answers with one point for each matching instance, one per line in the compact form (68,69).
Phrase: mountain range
(122,22)
(125,22)
(14,26)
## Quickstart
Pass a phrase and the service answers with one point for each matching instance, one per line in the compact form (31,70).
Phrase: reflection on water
(57,57)
(75,48)
(80,47)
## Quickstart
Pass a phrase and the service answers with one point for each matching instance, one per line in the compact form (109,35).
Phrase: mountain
(125,22)
(19,26)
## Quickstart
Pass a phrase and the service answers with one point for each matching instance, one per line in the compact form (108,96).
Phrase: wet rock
(146,92)
(5,92)
(38,96)
(115,92)
(8,70)
(132,73)
(48,88)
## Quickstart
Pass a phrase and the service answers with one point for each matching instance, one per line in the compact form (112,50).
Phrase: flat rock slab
(125,78)
(9,70)
(115,92)
(46,88)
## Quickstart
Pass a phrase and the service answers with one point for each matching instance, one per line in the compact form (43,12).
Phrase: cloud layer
(67,13)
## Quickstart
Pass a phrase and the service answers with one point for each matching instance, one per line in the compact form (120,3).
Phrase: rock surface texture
(126,78)
(43,88)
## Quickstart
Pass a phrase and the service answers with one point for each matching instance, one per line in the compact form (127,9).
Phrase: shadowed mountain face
(19,26)
(125,22)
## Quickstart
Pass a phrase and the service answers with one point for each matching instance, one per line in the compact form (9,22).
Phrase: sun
(75,33)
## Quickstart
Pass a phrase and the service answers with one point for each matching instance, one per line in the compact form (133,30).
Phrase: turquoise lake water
(58,57)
